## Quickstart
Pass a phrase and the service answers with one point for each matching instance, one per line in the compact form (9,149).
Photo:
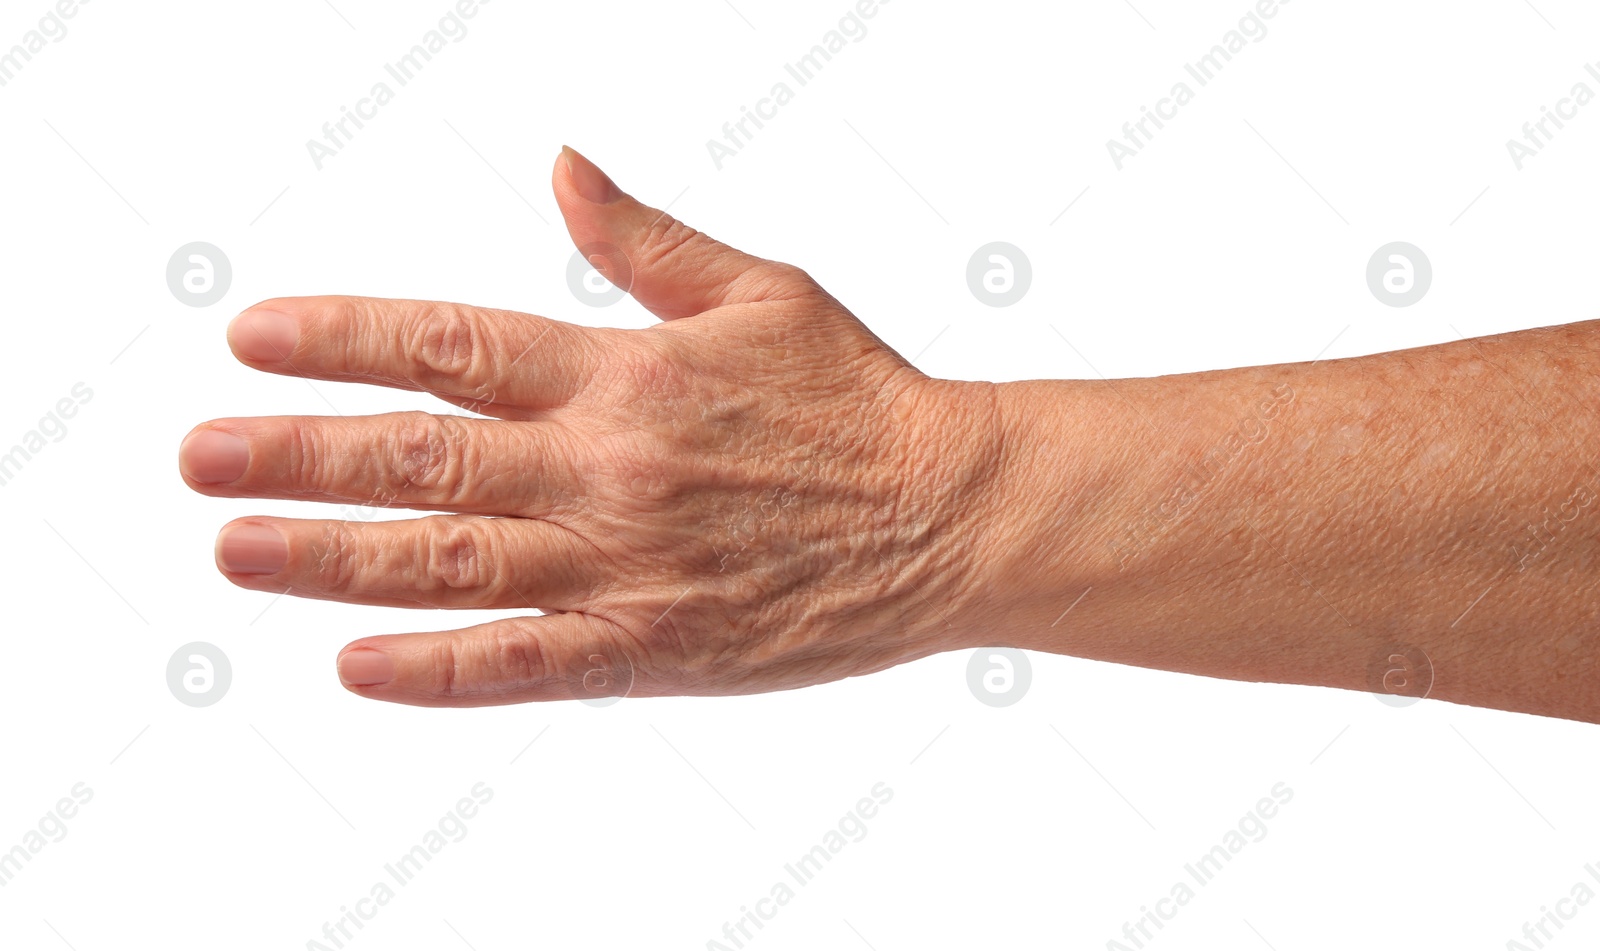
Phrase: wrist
(1123,506)
(1050,546)
(1029,475)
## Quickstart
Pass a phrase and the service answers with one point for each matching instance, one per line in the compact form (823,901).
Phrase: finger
(465,354)
(443,561)
(412,460)
(670,268)
(553,657)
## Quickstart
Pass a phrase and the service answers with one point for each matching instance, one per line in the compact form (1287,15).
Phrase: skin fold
(758,494)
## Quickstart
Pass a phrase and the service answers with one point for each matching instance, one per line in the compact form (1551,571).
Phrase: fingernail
(362,667)
(264,336)
(593,184)
(211,456)
(252,550)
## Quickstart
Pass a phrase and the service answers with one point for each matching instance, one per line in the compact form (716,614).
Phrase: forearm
(1296,523)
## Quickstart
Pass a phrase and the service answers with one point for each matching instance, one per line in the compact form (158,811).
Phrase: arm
(1314,523)
(757,494)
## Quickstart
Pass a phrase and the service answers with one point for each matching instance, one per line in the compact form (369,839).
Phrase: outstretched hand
(755,494)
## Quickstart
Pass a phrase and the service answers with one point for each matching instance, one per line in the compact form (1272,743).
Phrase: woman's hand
(756,494)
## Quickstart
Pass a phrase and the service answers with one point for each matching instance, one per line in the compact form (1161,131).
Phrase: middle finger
(412,460)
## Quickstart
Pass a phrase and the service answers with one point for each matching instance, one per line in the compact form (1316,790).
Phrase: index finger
(457,352)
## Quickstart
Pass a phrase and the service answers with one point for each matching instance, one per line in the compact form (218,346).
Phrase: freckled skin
(1441,499)
(758,494)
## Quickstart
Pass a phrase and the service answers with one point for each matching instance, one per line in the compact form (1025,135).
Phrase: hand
(756,494)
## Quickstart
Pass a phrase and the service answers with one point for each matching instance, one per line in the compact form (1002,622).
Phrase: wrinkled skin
(756,494)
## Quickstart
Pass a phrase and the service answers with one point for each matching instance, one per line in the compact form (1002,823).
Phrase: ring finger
(442,561)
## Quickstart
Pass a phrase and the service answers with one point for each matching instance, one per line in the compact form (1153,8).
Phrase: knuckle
(338,562)
(517,656)
(774,280)
(455,556)
(638,468)
(428,454)
(449,344)
(447,665)
(508,656)
(304,460)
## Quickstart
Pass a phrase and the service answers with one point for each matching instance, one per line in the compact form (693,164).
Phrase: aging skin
(758,494)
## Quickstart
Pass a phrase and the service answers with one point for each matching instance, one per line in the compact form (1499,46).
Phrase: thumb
(670,268)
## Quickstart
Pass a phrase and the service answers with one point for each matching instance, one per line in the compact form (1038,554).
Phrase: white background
(1239,236)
